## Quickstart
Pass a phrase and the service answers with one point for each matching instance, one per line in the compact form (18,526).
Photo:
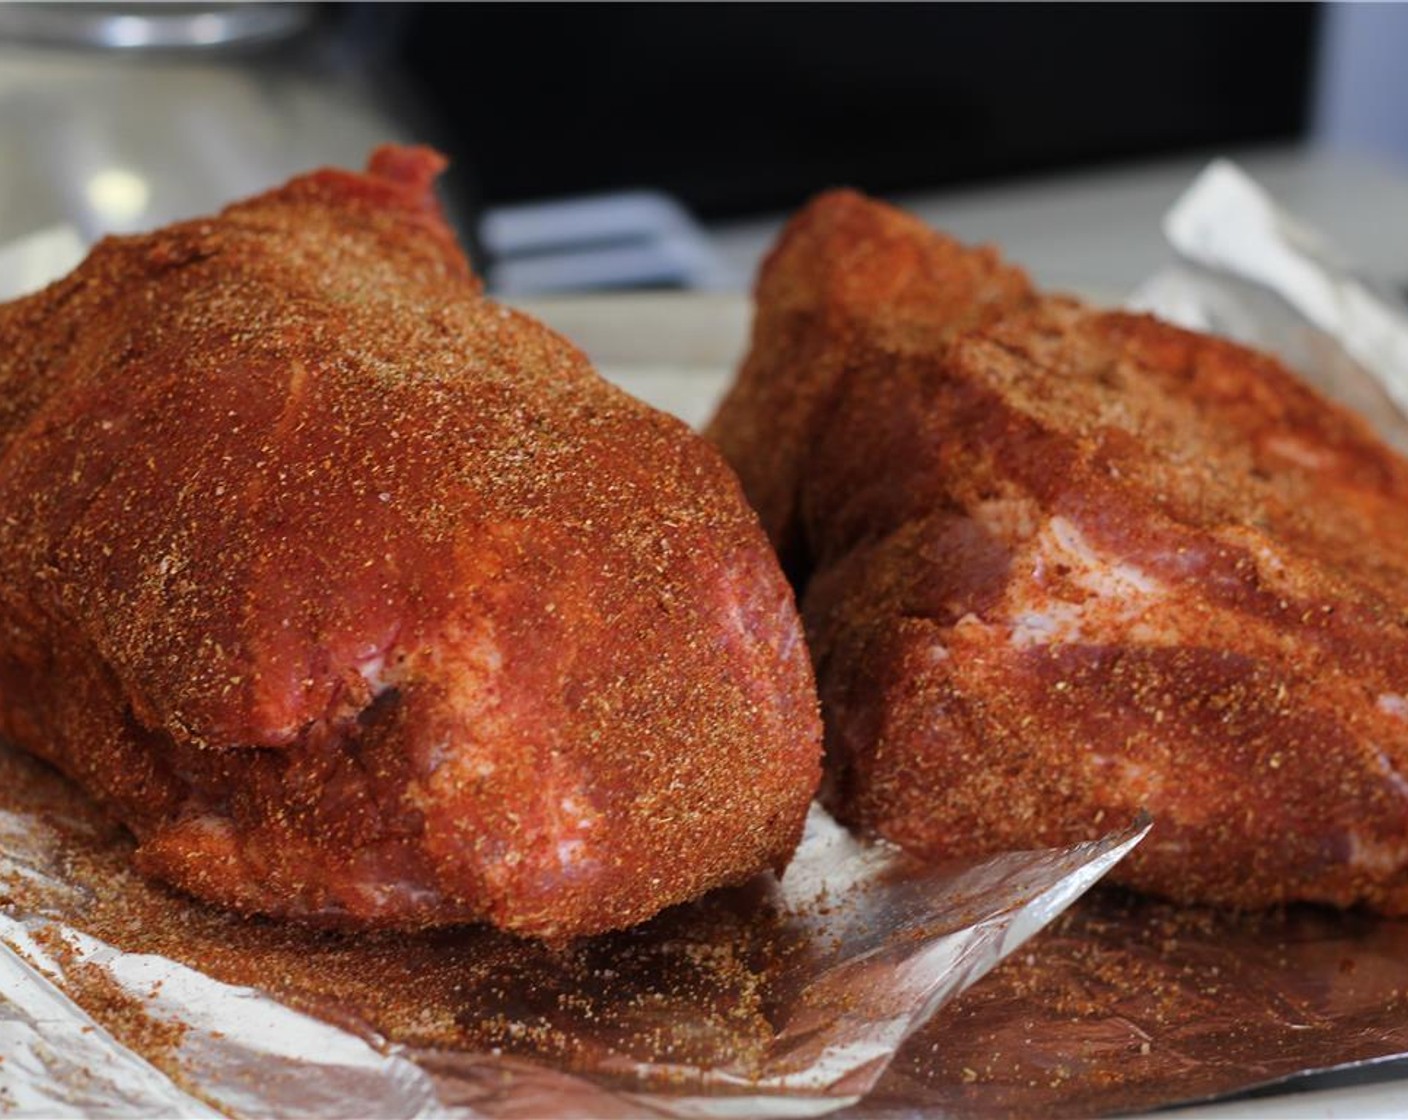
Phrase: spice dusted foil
(781,999)
(1129,1004)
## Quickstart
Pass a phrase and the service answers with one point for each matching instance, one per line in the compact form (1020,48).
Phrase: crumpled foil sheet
(118,997)
(1129,1004)
(1250,271)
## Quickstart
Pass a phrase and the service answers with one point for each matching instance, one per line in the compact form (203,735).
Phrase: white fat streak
(1299,452)
(1090,569)
(584,816)
(1379,857)
(467,661)
(1060,622)
(1390,772)
(571,851)
(578,819)
(373,671)
(938,653)
(1271,562)
(1130,774)
(1010,520)
(1110,582)
(1391,703)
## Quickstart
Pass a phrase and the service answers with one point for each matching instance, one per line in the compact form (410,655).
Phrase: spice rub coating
(1060,564)
(363,600)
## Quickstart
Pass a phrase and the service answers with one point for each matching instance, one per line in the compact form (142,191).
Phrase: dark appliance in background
(740,109)
(121,116)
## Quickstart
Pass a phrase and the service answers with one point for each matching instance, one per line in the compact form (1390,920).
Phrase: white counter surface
(1098,231)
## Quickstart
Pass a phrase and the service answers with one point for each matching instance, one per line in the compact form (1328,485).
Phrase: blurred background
(646,146)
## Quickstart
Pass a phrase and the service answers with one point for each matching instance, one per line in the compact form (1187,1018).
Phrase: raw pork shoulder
(1060,564)
(363,600)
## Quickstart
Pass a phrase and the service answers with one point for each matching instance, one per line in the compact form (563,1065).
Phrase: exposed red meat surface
(363,600)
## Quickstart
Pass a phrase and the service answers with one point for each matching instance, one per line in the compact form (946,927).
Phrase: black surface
(751,107)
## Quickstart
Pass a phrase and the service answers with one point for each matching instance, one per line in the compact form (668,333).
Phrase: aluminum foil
(1226,223)
(783,999)
(1129,1004)
(1249,271)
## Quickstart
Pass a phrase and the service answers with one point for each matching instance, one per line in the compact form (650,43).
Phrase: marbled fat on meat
(362,600)
(1059,564)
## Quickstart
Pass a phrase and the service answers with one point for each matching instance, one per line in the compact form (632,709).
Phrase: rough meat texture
(1062,564)
(363,600)
(845,266)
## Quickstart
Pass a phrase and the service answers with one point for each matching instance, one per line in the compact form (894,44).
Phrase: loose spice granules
(1127,1004)
(689,989)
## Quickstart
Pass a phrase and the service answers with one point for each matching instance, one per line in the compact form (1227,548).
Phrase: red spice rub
(363,600)
(1059,564)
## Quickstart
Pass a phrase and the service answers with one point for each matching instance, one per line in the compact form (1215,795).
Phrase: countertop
(1098,231)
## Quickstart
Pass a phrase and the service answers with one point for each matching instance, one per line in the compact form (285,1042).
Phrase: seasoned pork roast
(1059,564)
(363,600)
